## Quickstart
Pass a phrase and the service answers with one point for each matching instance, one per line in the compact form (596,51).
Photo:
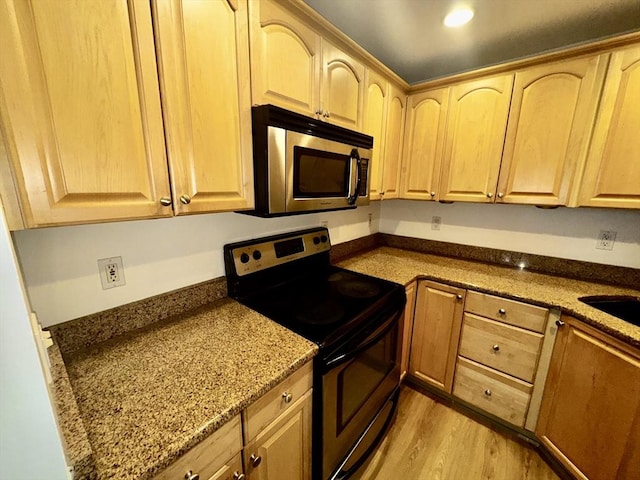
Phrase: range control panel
(250,257)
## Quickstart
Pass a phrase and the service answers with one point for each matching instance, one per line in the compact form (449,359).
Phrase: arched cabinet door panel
(375,118)
(612,172)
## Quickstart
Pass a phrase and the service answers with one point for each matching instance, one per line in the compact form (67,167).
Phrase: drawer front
(507,311)
(272,404)
(506,348)
(503,396)
(210,456)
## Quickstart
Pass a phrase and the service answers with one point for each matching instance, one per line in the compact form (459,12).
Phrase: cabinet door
(81,110)
(342,88)
(423,144)
(436,331)
(612,172)
(591,403)
(407,329)
(285,59)
(203,53)
(552,112)
(283,451)
(476,127)
(375,113)
(393,142)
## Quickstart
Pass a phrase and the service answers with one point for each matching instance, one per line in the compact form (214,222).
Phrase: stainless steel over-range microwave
(304,165)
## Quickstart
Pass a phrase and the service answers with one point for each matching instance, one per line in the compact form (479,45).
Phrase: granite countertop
(403,266)
(148,396)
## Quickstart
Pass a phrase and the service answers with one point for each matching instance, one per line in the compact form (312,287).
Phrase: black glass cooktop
(323,306)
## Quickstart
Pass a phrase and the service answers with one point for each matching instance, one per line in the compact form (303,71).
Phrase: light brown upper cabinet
(384,121)
(80,108)
(393,142)
(476,127)
(285,59)
(423,144)
(342,88)
(552,111)
(293,67)
(375,119)
(203,54)
(612,172)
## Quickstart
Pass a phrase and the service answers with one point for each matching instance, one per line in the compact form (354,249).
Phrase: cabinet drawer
(507,311)
(268,407)
(506,348)
(209,456)
(503,396)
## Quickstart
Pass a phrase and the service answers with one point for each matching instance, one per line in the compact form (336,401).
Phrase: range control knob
(257,254)
(244,258)
(316,240)
(323,239)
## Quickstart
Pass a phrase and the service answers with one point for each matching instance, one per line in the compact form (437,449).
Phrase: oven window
(317,173)
(358,381)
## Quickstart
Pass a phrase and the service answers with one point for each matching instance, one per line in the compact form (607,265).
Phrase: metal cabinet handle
(255,460)
(559,323)
(487,392)
(186,199)
(489,195)
(496,348)
(238,476)
(502,311)
(191,476)
(433,194)
(287,397)
(319,111)
(500,195)
(327,114)
(459,297)
(165,201)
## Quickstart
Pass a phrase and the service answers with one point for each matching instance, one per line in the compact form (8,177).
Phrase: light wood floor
(430,441)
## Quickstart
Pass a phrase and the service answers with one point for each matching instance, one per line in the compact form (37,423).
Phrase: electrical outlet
(111,272)
(435,223)
(606,239)
(370,219)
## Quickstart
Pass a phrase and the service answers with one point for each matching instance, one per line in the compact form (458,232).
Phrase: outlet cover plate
(111,272)
(606,239)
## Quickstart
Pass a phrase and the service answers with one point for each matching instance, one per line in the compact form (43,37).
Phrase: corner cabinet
(85,136)
(590,415)
(612,173)
(83,125)
(423,144)
(476,126)
(203,58)
(436,331)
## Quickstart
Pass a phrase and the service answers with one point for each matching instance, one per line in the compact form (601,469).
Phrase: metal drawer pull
(191,476)
(487,392)
(559,323)
(255,460)
(502,311)
(287,397)
(165,201)
(496,347)
(238,476)
(459,297)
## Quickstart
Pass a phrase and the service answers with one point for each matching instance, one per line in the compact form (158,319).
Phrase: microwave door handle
(354,180)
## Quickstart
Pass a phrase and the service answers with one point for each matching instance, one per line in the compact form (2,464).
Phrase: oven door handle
(352,194)
(371,340)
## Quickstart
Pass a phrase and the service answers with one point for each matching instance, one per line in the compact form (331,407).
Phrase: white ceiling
(408,35)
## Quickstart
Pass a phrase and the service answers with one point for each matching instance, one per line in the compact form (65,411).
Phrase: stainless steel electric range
(355,321)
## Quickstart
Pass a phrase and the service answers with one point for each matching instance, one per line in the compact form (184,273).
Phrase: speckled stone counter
(148,396)
(403,266)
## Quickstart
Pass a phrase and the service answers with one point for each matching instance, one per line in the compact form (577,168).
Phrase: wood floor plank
(430,441)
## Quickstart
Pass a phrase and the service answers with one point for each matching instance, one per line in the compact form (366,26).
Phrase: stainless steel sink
(626,308)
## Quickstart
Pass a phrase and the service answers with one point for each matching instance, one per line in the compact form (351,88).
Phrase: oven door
(322,174)
(357,385)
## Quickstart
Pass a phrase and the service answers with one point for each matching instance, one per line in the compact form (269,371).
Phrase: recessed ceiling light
(458,17)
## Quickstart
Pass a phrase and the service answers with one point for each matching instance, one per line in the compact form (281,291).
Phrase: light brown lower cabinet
(590,414)
(276,430)
(407,328)
(436,330)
